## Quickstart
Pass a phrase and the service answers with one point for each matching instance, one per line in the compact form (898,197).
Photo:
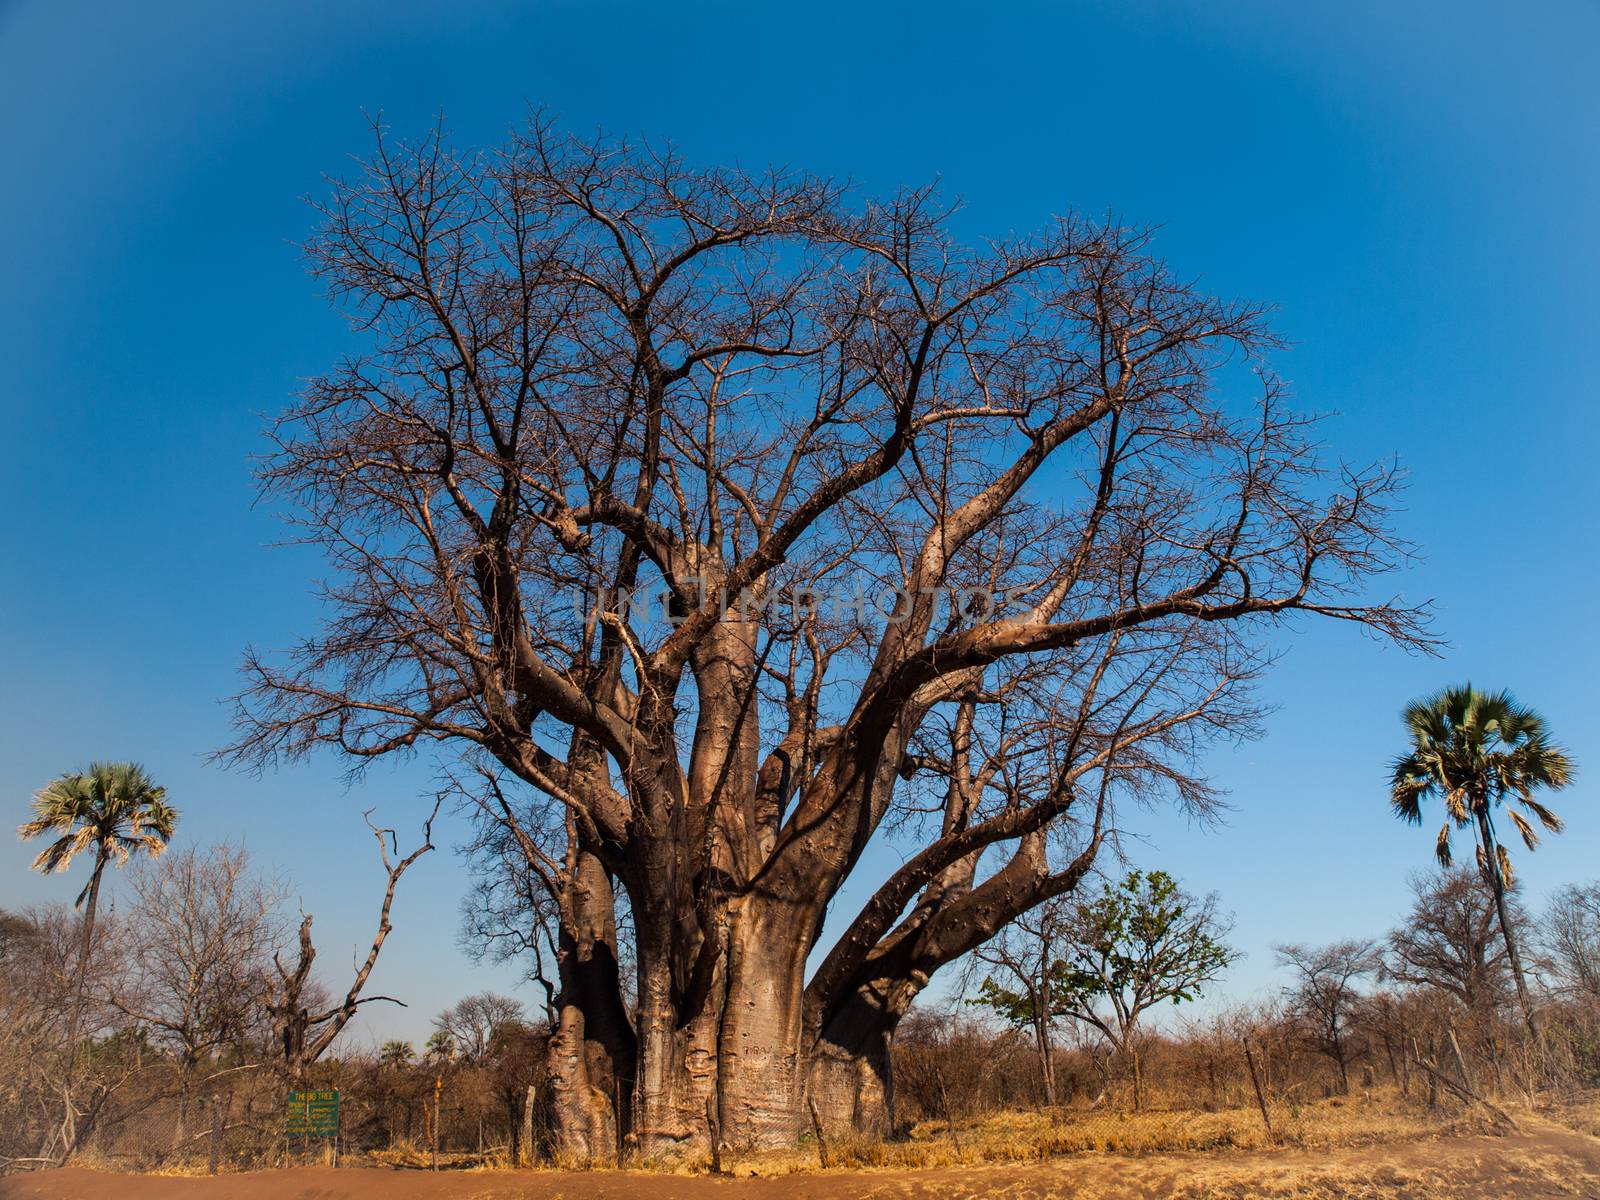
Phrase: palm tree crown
(112,810)
(1478,751)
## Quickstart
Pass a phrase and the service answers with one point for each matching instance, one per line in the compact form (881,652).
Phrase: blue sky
(1414,186)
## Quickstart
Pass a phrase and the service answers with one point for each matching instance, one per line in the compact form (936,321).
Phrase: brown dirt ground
(1542,1160)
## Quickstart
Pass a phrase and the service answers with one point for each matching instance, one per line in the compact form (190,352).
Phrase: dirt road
(1543,1160)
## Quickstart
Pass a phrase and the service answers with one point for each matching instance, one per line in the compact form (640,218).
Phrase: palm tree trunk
(84,948)
(69,1130)
(1491,855)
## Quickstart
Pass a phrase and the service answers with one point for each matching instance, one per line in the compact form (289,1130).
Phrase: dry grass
(1580,1112)
(1378,1117)
(1522,1172)
(199,1166)
(1219,1147)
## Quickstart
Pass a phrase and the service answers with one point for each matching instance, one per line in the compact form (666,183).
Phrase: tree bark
(524,1154)
(592,1052)
(760,1059)
(727,1048)
(851,1070)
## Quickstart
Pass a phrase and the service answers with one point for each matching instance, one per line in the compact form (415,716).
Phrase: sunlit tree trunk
(70,1133)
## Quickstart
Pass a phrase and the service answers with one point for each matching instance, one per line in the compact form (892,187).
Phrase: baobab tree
(733,523)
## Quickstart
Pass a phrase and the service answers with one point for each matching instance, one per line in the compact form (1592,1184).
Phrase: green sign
(314,1114)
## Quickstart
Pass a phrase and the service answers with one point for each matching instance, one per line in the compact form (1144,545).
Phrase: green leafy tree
(1140,943)
(396,1054)
(110,812)
(1479,753)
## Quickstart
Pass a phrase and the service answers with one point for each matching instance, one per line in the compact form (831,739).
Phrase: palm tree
(1478,752)
(441,1048)
(112,810)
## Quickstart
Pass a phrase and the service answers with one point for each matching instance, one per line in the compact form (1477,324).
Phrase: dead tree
(743,524)
(304,1030)
(1326,996)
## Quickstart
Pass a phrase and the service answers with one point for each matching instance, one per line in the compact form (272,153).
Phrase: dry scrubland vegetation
(970,1089)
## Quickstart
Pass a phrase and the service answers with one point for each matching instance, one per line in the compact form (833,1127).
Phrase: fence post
(526,1158)
(824,1159)
(438,1091)
(218,1115)
(1261,1096)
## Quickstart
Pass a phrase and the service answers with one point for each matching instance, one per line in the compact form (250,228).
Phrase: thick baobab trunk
(721,956)
(592,1050)
(760,1058)
(850,1073)
(725,1052)
(849,1077)
(676,1057)
(680,939)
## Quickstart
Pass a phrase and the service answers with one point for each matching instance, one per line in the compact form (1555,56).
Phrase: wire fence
(245,1119)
